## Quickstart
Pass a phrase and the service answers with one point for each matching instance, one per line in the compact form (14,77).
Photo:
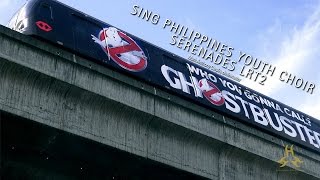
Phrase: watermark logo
(290,157)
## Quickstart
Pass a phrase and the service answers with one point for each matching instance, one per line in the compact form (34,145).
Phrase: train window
(12,22)
(18,17)
(18,21)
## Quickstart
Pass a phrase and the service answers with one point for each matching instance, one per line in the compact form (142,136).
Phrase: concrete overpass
(54,102)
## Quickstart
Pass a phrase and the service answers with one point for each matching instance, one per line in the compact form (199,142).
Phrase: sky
(285,34)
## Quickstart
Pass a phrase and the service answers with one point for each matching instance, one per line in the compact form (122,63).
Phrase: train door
(83,29)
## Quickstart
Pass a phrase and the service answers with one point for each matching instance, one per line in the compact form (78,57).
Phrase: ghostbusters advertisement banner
(204,87)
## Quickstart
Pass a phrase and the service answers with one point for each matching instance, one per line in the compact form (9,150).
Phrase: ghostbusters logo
(122,49)
(211,92)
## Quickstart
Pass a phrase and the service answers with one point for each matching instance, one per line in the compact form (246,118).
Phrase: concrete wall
(52,86)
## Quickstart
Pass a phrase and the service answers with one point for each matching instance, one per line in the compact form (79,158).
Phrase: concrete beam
(50,85)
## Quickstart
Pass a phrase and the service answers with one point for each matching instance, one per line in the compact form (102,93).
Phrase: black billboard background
(182,67)
(156,57)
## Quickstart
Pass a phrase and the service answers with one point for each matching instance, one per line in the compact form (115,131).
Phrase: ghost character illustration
(205,87)
(112,39)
